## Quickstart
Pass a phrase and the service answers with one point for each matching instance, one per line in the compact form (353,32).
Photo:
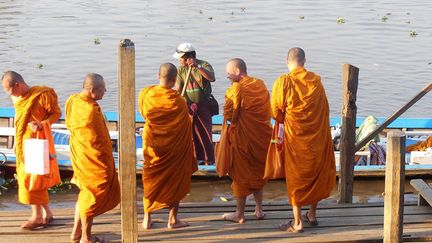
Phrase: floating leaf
(408,22)
(301,17)
(408,13)
(384,18)
(232,13)
(40,66)
(388,13)
(201,12)
(210,18)
(97,41)
(243,9)
(341,20)
(413,33)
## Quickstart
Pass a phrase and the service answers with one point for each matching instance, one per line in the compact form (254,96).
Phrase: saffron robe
(299,101)
(247,107)
(169,159)
(92,156)
(38,104)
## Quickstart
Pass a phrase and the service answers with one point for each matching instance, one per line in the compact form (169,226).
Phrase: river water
(56,43)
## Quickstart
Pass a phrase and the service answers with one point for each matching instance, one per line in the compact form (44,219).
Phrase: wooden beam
(349,114)
(394,187)
(424,191)
(393,117)
(126,141)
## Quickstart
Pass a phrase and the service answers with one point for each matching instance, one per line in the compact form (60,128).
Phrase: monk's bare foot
(147,224)
(233,217)
(76,237)
(178,224)
(259,215)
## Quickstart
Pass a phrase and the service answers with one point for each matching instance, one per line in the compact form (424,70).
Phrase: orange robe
(169,159)
(247,107)
(420,146)
(92,156)
(38,104)
(299,101)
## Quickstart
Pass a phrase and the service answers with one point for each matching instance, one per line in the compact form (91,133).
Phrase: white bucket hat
(182,49)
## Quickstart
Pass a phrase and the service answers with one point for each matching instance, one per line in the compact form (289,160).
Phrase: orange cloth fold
(169,159)
(38,104)
(299,101)
(92,156)
(247,107)
(420,146)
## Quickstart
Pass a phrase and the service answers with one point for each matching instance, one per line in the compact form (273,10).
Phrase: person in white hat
(198,90)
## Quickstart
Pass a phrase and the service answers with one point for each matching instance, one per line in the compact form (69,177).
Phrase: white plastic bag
(36,156)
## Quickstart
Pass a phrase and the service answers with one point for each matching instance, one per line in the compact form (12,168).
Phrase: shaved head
(14,84)
(93,80)
(167,74)
(296,56)
(94,86)
(11,78)
(240,64)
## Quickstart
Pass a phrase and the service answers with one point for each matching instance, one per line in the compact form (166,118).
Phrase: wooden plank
(424,191)
(349,113)
(394,187)
(393,117)
(126,142)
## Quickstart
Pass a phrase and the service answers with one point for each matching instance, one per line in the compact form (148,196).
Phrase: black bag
(214,105)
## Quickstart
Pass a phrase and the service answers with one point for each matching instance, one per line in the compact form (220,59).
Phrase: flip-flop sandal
(289,228)
(48,221)
(31,225)
(310,222)
(97,240)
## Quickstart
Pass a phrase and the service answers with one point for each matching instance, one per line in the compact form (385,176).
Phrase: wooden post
(394,187)
(126,141)
(347,148)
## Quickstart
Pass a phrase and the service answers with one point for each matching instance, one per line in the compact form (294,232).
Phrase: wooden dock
(337,223)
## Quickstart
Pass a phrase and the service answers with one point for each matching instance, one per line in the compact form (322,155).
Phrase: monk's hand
(192,62)
(35,126)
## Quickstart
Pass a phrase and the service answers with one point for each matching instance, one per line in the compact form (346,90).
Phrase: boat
(62,148)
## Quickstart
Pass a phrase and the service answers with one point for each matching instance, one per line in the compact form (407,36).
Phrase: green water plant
(64,186)
(413,33)
(39,65)
(301,17)
(97,41)
(210,18)
(341,20)
(384,18)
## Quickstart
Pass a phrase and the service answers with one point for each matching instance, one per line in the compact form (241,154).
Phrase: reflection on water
(60,35)
(365,191)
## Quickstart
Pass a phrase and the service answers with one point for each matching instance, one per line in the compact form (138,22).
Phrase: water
(60,35)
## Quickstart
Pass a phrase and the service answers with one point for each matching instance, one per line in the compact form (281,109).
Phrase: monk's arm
(277,101)
(49,101)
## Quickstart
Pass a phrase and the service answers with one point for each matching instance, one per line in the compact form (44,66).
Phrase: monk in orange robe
(300,103)
(169,159)
(33,105)
(92,157)
(247,107)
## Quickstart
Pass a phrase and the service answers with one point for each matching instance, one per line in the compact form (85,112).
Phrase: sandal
(288,227)
(310,222)
(47,221)
(31,225)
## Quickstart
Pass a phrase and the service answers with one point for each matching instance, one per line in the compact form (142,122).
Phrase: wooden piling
(347,148)
(394,187)
(126,141)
